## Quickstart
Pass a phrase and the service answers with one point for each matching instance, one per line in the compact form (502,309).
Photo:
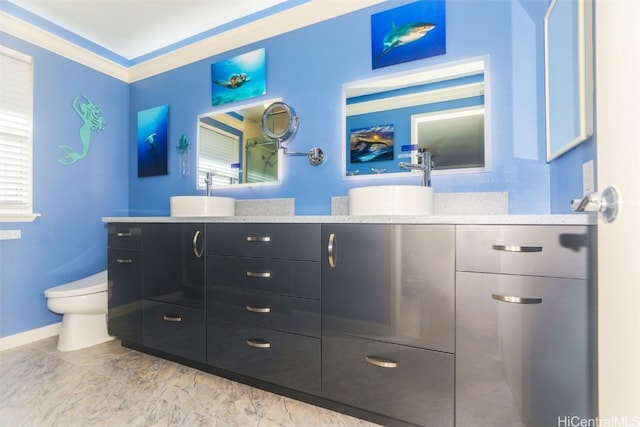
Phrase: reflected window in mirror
(231,147)
(440,108)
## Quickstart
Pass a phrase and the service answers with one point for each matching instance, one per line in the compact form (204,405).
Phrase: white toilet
(83,304)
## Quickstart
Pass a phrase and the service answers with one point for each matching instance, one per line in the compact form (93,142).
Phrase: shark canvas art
(408,33)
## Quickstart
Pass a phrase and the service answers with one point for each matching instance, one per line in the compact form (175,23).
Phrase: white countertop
(571,219)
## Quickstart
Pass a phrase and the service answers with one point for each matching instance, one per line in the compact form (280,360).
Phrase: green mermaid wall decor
(92,119)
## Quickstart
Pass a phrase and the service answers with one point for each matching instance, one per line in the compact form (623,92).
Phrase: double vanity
(401,320)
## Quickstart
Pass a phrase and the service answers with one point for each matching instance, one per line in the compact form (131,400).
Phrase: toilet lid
(84,286)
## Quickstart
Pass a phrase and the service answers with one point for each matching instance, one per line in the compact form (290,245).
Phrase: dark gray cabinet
(525,330)
(125,266)
(174,289)
(388,319)
(263,302)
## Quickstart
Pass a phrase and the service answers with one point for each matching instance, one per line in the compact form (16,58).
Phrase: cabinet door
(175,329)
(174,263)
(392,283)
(401,382)
(124,315)
(526,362)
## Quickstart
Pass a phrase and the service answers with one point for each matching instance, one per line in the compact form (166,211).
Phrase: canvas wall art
(408,33)
(372,144)
(152,141)
(241,77)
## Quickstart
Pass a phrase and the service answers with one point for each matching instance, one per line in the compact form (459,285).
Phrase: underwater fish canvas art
(152,141)
(408,33)
(238,78)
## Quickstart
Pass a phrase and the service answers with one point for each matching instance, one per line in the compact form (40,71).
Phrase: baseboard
(27,337)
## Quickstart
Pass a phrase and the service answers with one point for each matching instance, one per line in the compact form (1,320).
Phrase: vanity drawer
(284,277)
(285,241)
(281,358)
(554,251)
(124,314)
(174,329)
(124,236)
(296,315)
(401,382)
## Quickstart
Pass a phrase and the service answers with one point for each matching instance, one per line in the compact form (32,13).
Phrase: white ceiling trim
(291,19)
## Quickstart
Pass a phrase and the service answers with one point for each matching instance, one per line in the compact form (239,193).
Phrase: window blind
(217,151)
(16,123)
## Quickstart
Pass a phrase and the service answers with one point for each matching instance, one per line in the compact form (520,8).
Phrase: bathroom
(307,68)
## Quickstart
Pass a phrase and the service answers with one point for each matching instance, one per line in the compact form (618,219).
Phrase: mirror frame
(265,103)
(291,127)
(580,53)
(423,75)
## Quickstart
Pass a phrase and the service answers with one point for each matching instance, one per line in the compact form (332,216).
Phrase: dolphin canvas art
(408,33)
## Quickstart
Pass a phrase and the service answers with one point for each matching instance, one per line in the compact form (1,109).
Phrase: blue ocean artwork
(408,33)
(153,141)
(371,144)
(241,77)
(92,120)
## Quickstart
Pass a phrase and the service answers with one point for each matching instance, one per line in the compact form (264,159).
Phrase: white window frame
(16,125)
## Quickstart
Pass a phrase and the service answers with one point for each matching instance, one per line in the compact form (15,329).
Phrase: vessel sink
(391,200)
(202,206)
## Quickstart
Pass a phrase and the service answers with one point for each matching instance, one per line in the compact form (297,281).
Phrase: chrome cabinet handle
(331,250)
(124,234)
(172,318)
(197,253)
(258,309)
(258,239)
(381,362)
(256,343)
(266,274)
(124,260)
(516,300)
(508,248)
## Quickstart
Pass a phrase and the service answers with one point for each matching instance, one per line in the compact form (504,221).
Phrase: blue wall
(69,240)
(307,68)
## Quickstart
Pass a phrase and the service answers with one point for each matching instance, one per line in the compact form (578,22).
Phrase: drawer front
(296,315)
(287,241)
(554,251)
(281,358)
(125,236)
(124,315)
(284,277)
(401,382)
(175,329)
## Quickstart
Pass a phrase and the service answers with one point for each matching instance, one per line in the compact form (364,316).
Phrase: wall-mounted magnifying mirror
(440,109)
(232,147)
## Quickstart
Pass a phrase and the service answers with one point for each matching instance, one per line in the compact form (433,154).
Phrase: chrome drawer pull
(172,318)
(258,309)
(252,342)
(516,300)
(507,248)
(266,274)
(381,362)
(258,239)
(196,252)
(124,260)
(331,249)
(124,234)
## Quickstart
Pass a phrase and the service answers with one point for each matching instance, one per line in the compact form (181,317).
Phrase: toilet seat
(88,285)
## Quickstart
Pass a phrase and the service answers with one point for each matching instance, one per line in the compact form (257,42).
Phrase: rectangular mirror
(441,108)
(231,147)
(568,75)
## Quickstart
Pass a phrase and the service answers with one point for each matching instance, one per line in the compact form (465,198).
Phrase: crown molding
(303,15)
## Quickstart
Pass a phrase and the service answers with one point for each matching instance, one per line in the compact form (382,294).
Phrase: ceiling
(134,28)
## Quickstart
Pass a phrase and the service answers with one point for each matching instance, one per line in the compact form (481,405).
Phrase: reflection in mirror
(441,109)
(231,146)
(279,122)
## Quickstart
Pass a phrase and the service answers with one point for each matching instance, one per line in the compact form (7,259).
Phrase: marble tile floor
(110,385)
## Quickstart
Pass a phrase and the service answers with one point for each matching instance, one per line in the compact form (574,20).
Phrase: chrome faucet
(424,164)
(208,181)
